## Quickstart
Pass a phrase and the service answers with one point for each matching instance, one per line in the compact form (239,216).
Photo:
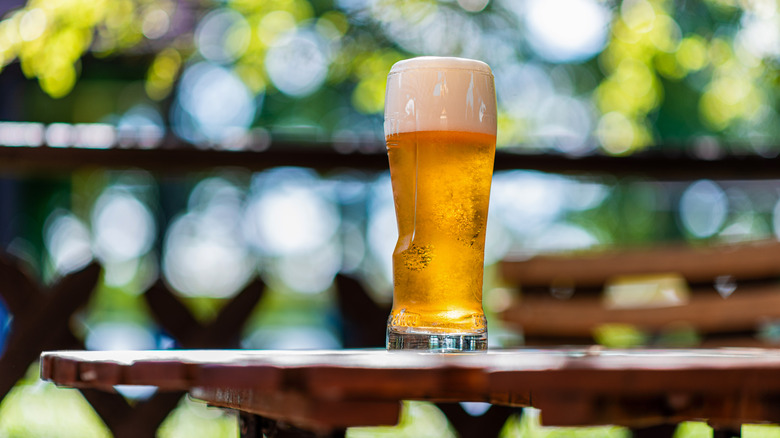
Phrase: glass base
(437,342)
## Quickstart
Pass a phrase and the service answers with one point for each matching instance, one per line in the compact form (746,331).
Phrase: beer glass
(440,129)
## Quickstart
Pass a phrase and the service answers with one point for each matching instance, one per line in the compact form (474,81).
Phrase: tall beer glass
(440,129)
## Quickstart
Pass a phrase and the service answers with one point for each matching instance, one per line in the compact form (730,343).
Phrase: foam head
(440,94)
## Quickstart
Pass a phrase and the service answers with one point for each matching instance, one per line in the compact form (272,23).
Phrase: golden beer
(441,169)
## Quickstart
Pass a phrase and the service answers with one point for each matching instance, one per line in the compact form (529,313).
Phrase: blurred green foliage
(37,409)
(760,430)
(660,57)
(693,429)
(620,336)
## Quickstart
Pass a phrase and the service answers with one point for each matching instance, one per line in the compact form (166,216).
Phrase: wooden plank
(168,375)
(695,264)
(573,386)
(169,369)
(64,371)
(441,384)
(707,312)
(722,411)
(235,376)
(645,382)
(177,156)
(101,376)
(302,411)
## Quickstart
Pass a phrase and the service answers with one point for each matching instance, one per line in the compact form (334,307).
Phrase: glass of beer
(440,129)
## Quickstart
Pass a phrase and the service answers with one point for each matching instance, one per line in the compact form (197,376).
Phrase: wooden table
(325,391)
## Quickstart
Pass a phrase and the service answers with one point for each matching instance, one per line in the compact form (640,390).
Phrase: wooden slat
(707,312)
(174,155)
(696,265)
(179,157)
(236,376)
(724,411)
(457,384)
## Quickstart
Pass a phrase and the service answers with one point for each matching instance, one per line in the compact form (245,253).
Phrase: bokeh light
(287,214)
(498,240)
(567,30)
(123,227)
(67,241)
(21,134)
(163,73)
(115,336)
(561,237)
(297,63)
(776,219)
(141,126)
(292,221)
(156,23)
(759,32)
(473,5)
(120,336)
(703,208)
(310,272)
(204,254)
(565,124)
(222,36)
(291,338)
(213,105)
(382,228)
(525,212)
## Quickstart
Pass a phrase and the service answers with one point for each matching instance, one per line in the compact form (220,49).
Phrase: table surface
(341,388)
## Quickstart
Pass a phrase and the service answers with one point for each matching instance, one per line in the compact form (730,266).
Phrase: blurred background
(575,79)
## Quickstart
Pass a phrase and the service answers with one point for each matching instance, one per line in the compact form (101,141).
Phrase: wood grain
(326,390)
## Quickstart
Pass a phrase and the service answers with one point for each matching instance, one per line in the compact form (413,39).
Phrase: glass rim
(440,63)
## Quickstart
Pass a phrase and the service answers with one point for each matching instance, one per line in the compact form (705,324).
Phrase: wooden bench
(727,295)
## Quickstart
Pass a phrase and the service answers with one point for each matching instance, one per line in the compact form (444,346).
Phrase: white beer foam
(432,93)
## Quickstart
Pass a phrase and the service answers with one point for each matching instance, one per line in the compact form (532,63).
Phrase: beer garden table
(328,391)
